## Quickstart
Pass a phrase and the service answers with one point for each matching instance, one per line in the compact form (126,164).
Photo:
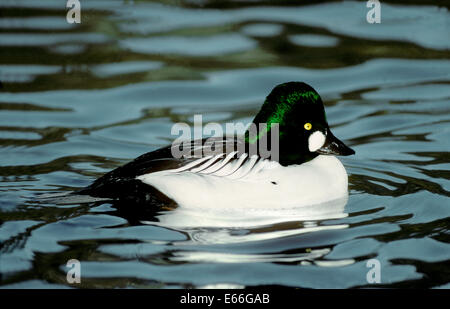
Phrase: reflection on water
(77,100)
(241,218)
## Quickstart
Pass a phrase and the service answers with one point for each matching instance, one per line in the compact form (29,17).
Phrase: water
(79,100)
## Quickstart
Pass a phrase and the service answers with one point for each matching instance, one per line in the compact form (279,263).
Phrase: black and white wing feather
(221,157)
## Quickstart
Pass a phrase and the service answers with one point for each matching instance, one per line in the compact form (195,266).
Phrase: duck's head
(303,129)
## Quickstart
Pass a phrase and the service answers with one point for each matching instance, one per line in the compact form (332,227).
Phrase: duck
(228,173)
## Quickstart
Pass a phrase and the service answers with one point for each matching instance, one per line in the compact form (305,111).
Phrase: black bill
(334,146)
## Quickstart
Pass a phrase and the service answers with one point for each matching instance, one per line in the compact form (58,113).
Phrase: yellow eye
(307,126)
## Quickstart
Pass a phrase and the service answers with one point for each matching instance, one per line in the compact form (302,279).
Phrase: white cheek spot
(316,141)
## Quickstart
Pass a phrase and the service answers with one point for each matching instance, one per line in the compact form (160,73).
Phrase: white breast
(257,184)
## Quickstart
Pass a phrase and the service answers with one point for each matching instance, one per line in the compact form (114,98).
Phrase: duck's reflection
(259,221)
(250,235)
(232,236)
(272,219)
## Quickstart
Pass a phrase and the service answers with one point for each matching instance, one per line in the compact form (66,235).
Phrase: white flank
(252,184)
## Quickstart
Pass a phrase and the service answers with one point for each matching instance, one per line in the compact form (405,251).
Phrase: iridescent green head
(303,129)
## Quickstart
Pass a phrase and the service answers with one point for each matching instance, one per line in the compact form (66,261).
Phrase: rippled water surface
(79,100)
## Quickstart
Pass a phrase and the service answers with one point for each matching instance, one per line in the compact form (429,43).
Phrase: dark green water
(79,100)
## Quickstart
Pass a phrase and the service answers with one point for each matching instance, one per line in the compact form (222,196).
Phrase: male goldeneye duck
(306,172)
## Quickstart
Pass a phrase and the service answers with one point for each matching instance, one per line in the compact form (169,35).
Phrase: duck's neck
(289,158)
(280,149)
